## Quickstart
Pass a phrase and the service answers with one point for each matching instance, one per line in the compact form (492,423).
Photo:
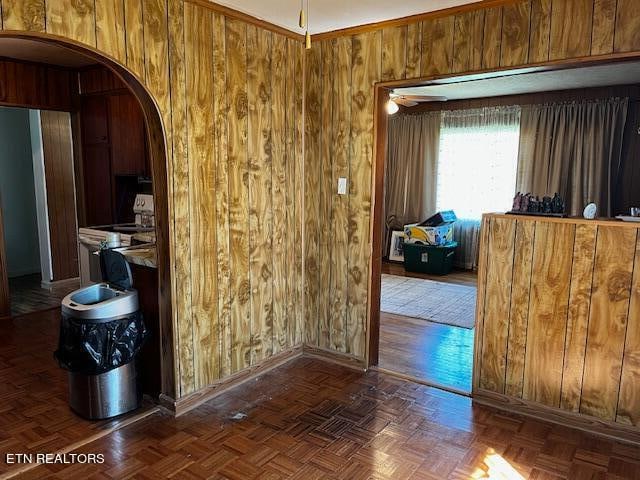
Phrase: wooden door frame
(380,124)
(158,149)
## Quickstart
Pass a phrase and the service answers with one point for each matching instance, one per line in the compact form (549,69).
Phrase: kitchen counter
(558,317)
(143,255)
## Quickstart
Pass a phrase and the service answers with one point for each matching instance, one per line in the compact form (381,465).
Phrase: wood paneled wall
(339,119)
(559,315)
(230,97)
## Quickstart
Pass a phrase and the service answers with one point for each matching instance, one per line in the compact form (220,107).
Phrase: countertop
(144,254)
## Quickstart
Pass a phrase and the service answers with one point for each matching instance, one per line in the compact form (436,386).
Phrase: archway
(156,140)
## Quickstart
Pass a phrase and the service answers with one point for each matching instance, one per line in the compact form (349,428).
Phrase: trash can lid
(115,269)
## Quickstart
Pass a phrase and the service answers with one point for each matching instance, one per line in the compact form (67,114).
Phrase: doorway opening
(468,145)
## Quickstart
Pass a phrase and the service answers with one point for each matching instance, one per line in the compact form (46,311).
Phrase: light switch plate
(342,186)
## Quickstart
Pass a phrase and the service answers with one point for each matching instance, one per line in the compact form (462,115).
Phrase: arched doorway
(157,149)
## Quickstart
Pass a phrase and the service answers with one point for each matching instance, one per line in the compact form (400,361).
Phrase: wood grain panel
(628,411)
(437,46)
(548,305)
(519,316)
(23,15)
(481,294)
(220,112)
(499,266)
(604,17)
(515,34)
(414,50)
(110,29)
(259,42)
(57,150)
(181,270)
(394,51)
(607,321)
(73,19)
(312,178)
(134,31)
(236,41)
(578,316)
(326,193)
(540,30)
(627,27)
(365,72)
(280,194)
(198,26)
(492,38)
(340,207)
(462,42)
(477,39)
(571,23)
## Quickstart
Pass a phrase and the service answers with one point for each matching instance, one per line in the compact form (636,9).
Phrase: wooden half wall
(230,97)
(341,70)
(559,315)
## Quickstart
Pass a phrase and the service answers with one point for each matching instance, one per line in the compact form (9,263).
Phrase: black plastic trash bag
(94,348)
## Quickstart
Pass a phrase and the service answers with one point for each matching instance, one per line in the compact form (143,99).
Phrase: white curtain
(477,167)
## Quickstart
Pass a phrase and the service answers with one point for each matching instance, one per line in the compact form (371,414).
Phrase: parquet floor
(28,296)
(34,412)
(314,420)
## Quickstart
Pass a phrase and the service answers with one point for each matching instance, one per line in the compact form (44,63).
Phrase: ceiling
(40,52)
(328,15)
(623,73)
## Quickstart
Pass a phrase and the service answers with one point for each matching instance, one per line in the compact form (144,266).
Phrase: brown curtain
(410,177)
(573,149)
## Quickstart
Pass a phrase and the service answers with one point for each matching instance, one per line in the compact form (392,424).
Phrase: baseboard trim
(339,358)
(51,284)
(193,400)
(409,378)
(585,423)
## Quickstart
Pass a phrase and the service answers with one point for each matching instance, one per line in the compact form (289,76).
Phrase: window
(477,163)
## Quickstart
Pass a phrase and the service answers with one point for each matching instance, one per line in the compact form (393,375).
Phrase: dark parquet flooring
(313,420)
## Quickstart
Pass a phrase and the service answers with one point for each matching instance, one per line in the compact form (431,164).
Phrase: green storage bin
(428,258)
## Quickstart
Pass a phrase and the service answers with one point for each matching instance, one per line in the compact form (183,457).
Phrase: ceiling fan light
(392,107)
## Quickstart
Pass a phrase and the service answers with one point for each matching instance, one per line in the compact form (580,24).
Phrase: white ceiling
(585,77)
(328,15)
(40,52)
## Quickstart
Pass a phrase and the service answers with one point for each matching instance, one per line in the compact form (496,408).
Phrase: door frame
(158,148)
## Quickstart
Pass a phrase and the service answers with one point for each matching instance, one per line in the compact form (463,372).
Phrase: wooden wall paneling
(462,42)
(628,411)
(519,316)
(571,24)
(578,316)
(221,112)
(110,29)
(198,27)
(610,297)
(549,298)
(58,163)
(366,54)
(394,52)
(340,209)
(327,193)
(134,32)
(485,227)
(499,271)
(492,38)
(627,27)
(181,202)
(280,193)
(312,159)
(33,85)
(73,19)
(236,41)
(437,46)
(604,18)
(23,15)
(540,31)
(515,34)
(259,143)
(477,39)
(299,182)
(413,55)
